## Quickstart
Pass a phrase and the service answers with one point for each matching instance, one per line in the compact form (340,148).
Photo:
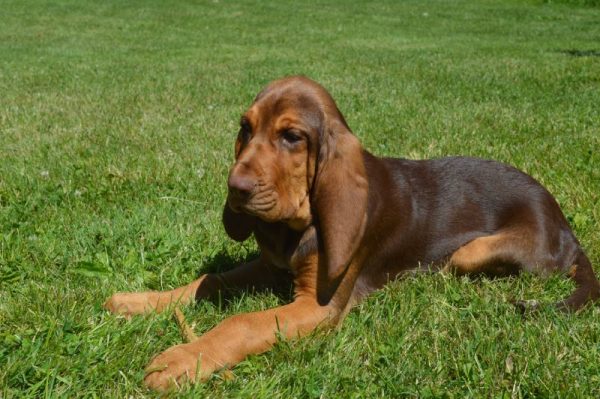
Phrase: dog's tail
(587,287)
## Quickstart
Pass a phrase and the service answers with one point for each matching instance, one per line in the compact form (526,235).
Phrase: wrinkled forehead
(297,105)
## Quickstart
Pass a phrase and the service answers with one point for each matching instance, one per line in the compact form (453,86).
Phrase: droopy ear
(339,199)
(238,226)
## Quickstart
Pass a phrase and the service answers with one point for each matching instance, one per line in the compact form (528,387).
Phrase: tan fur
(334,223)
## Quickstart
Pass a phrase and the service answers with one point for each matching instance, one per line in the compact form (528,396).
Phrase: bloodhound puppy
(336,223)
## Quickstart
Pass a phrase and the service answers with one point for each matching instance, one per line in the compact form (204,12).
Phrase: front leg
(257,274)
(234,339)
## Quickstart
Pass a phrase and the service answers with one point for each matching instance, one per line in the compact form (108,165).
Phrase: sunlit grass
(117,122)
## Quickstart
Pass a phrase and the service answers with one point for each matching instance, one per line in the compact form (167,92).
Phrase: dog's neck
(283,246)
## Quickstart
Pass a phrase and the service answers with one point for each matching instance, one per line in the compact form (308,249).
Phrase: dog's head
(297,162)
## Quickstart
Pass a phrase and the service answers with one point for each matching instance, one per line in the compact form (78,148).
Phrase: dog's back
(439,205)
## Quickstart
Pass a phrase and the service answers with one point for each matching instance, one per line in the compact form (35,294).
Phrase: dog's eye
(290,136)
(245,131)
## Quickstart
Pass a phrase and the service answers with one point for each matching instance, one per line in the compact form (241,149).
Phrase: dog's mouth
(261,204)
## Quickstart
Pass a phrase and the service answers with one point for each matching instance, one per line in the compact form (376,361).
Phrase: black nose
(240,186)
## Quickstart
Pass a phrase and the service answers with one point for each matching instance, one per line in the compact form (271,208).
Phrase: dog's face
(276,151)
(297,162)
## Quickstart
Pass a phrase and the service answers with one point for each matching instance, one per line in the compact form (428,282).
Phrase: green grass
(117,122)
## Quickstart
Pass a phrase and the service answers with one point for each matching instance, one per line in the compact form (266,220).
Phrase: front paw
(178,365)
(132,303)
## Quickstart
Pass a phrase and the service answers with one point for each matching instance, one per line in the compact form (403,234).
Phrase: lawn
(117,122)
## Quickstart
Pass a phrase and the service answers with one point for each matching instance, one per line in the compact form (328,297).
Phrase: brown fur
(335,223)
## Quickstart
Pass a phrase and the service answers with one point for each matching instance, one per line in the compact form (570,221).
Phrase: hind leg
(504,253)
(510,251)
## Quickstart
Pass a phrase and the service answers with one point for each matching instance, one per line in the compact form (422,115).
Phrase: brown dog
(338,223)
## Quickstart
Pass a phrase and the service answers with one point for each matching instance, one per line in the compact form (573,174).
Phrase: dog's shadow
(222,262)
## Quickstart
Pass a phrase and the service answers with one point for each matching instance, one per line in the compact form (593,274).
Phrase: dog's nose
(240,186)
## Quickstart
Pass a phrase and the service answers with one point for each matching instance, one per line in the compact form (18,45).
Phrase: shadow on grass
(580,53)
(223,262)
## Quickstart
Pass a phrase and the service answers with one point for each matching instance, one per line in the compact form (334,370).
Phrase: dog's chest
(278,243)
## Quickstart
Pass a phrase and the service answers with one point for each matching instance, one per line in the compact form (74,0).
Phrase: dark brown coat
(338,223)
